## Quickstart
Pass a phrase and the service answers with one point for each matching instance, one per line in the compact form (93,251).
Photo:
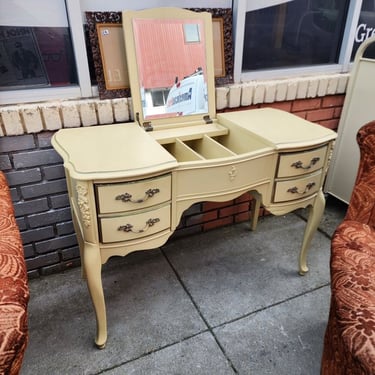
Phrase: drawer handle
(129,227)
(126,197)
(299,165)
(294,190)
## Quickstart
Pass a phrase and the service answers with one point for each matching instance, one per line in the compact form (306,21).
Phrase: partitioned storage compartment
(181,151)
(240,142)
(209,148)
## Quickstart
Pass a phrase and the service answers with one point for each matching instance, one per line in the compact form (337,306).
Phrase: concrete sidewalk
(228,301)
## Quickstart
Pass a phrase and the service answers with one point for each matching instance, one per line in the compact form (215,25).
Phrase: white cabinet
(359,109)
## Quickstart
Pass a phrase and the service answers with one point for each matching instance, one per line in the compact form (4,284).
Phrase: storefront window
(36,48)
(366,26)
(294,33)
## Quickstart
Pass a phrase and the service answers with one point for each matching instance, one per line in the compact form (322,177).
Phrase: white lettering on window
(364,32)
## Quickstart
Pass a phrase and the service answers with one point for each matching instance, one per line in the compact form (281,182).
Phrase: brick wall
(38,187)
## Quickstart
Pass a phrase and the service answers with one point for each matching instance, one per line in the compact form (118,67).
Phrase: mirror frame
(167,13)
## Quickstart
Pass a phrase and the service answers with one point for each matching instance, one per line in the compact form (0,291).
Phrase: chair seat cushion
(353,289)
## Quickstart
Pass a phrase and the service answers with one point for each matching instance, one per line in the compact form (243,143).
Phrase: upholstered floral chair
(349,344)
(14,290)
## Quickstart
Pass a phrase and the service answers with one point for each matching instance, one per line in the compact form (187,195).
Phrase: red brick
(285,106)
(330,124)
(333,101)
(233,210)
(217,223)
(244,198)
(301,114)
(337,113)
(306,104)
(208,206)
(243,216)
(210,215)
(320,114)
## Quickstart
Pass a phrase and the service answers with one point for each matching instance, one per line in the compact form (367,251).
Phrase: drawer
(129,227)
(131,196)
(299,163)
(219,178)
(297,188)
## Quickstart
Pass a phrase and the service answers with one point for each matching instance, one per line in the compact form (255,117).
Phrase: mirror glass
(171,67)
(170,62)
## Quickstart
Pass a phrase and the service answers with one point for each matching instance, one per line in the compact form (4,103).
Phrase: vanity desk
(128,187)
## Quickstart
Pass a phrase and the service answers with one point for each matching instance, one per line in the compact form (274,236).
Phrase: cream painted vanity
(130,183)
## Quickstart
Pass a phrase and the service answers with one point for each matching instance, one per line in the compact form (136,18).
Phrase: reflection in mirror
(171,63)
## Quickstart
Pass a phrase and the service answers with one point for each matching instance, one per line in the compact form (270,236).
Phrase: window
(191,33)
(366,24)
(159,97)
(42,51)
(275,38)
(294,33)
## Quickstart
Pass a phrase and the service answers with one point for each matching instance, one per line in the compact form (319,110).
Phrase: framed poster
(223,43)
(21,64)
(108,54)
(112,53)
(219,53)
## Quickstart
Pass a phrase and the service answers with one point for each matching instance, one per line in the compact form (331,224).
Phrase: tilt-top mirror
(170,61)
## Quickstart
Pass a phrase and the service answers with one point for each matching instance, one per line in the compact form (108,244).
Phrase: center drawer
(219,178)
(122,197)
(138,225)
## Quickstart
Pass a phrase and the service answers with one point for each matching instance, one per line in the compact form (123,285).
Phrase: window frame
(240,7)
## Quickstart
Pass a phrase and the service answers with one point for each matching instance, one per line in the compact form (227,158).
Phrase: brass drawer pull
(294,190)
(129,227)
(126,197)
(299,165)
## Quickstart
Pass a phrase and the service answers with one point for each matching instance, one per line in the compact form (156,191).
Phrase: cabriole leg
(93,269)
(315,215)
(255,210)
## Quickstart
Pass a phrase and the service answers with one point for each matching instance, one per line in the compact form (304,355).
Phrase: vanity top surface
(127,150)
(282,129)
(111,151)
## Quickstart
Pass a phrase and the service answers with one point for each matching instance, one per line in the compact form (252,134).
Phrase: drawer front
(299,163)
(131,196)
(297,188)
(129,227)
(219,178)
